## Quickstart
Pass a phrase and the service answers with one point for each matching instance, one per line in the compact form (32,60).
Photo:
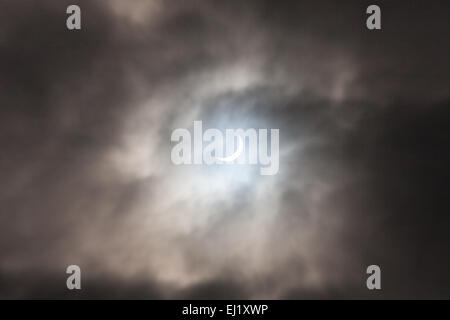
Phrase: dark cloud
(42,285)
(85,126)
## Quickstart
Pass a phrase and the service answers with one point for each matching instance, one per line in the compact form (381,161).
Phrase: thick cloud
(86,119)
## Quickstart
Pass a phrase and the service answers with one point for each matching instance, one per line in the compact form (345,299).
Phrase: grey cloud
(85,134)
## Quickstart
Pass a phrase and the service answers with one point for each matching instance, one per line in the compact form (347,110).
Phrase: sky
(86,177)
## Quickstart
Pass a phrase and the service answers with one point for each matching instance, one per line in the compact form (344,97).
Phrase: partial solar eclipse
(235,155)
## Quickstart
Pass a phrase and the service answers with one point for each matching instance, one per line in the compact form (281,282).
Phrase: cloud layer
(85,124)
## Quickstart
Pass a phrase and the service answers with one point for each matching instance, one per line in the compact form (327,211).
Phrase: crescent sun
(235,155)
